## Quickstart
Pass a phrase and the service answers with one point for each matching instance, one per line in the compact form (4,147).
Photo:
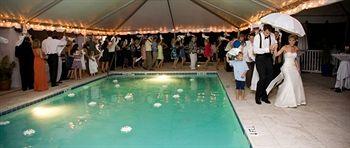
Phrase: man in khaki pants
(148,45)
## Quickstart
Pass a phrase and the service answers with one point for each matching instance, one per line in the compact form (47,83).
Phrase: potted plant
(6,68)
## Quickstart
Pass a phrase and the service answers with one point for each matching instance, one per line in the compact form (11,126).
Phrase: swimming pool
(156,110)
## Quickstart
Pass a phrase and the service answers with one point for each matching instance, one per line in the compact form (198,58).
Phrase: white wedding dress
(291,92)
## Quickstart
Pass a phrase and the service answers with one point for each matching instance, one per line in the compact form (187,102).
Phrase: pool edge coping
(232,106)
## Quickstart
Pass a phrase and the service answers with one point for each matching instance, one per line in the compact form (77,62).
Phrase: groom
(264,45)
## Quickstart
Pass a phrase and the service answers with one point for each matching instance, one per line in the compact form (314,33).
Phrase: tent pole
(229,13)
(171,16)
(222,18)
(259,2)
(42,10)
(100,19)
(132,14)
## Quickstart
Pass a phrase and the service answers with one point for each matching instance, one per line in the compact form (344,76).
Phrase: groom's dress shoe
(267,101)
(258,102)
(338,90)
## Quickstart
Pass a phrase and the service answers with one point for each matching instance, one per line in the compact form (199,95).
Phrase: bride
(291,92)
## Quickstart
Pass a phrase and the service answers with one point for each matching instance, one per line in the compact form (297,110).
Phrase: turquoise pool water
(198,116)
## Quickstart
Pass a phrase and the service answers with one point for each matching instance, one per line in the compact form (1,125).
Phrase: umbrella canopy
(284,22)
(141,16)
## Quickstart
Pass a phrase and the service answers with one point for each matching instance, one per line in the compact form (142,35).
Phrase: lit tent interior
(144,16)
(120,17)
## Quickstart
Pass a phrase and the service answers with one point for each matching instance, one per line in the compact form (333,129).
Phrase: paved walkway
(323,122)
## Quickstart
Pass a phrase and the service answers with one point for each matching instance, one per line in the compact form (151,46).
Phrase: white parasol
(284,22)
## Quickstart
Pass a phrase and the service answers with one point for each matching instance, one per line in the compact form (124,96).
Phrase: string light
(287,7)
(303,5)
(39,27)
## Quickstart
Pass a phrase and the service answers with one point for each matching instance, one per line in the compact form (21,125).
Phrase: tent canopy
(140,16)
(334,13)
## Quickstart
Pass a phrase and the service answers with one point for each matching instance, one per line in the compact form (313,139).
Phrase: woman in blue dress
(174,52)
(182,53)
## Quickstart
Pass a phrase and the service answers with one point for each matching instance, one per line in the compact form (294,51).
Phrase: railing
(312,60)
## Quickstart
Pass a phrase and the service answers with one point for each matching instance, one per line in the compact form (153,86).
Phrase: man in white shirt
(264,44)
(249,57)
(52,47)
(112,45)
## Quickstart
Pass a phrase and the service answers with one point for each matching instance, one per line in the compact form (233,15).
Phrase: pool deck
(323,122)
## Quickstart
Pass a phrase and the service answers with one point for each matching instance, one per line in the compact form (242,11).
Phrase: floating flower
(125,129)
(157,105)
(83,116)
(129,96)
(116,85)
(4,122)
(180,90)
(191,79)
(29,132)
(92,103)
(71,95)
(176,96)
(71,125)
(115,81)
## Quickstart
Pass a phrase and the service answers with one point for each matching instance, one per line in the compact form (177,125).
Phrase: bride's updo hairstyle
(293,36)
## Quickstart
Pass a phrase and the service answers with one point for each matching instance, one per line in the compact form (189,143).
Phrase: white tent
(144,16)
(136,16)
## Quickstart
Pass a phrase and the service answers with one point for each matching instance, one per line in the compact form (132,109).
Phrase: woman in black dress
(126,54)
(69,59)
(132,54)
(105,57)
(221,53)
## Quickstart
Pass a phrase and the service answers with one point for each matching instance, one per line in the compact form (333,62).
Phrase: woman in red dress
(40,77)
(207,52)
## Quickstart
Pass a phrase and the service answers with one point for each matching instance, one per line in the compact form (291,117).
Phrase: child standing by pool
(240,69)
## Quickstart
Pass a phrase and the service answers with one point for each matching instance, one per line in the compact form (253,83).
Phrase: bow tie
(267,37)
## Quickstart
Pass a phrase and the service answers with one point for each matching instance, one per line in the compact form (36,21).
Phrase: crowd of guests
(67,59)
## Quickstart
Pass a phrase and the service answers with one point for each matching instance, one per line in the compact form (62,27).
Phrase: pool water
(93,115)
